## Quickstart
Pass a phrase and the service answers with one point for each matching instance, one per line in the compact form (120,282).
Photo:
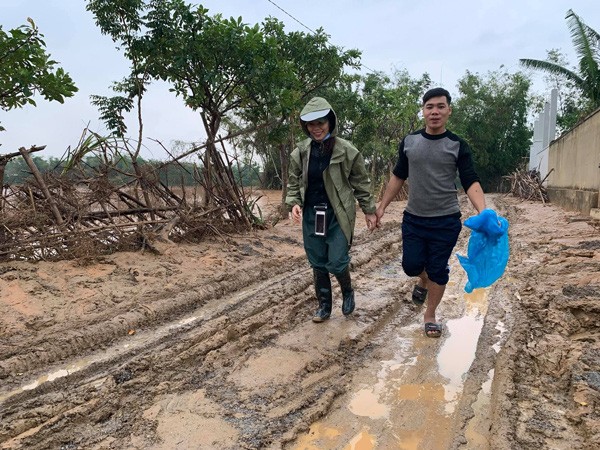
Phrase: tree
(491,114)
(587,47)
(122,21)
(26,70)
(300,66)
(215,65)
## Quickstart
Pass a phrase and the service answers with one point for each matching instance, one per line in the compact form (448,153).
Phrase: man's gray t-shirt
(433,161)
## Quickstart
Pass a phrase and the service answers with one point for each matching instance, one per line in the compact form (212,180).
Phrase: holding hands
(374,220)
(379,214)
(371,220)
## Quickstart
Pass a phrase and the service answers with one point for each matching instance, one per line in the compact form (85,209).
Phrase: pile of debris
(528,185)
(86,211)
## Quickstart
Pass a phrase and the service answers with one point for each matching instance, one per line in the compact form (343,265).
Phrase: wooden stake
(38,176)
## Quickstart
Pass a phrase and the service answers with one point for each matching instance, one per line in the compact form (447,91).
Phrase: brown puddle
(407,402)
(458,351)
(366,403)
(364,441)
(317,432)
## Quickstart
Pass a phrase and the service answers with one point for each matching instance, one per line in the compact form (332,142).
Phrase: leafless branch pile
(88,211)
(528,185)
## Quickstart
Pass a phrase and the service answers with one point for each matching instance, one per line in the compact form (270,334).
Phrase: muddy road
(212,347)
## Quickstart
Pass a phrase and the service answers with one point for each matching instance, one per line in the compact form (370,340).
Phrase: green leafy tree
(215,65)
(233,74)
(112,110)
(122,21)
(586,78)
(300,66)
(491,114)
(211,62)
(26,70)
(17,170)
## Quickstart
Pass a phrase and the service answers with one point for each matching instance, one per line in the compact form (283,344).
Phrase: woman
(326,175)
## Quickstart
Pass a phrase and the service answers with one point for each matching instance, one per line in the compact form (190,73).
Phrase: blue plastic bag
(487,249)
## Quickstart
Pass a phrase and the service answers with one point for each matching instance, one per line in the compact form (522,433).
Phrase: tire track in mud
(230,354)
(106,329)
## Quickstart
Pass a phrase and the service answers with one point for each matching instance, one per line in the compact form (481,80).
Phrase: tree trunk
(285,171)
(3,163)
(43,187)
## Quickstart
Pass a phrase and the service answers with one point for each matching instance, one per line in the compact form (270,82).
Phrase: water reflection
(457,354)
(57,374)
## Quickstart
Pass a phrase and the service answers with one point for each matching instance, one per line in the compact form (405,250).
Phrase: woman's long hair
(327,144)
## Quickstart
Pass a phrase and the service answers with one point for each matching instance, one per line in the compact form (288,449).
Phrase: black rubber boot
(347,291)
(323,292)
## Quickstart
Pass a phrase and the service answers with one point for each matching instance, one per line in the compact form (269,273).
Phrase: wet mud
(212,347)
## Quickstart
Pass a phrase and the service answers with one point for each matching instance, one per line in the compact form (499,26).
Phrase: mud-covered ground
(211,346)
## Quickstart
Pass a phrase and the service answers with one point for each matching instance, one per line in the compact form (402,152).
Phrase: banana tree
(586,42)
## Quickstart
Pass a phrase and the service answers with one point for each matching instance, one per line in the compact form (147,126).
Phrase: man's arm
(475,194)
(391,191)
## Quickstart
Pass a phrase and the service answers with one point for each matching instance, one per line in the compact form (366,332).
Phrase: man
(431,221)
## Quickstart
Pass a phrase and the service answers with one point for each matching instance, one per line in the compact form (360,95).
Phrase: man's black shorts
(427,244)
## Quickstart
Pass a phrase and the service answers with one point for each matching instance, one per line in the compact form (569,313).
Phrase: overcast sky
(441,37)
